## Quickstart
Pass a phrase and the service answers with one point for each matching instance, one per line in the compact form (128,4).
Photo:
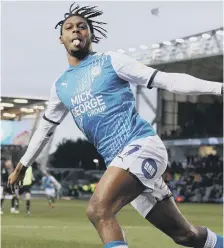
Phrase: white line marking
(64,227)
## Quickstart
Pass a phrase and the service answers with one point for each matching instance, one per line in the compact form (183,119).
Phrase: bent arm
(38,142)
(55,113)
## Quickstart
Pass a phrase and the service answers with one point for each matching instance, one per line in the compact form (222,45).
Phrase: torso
(102,105)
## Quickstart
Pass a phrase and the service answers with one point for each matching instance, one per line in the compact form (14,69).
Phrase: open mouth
(76,42)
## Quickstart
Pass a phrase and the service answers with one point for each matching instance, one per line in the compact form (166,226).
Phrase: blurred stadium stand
(198,179)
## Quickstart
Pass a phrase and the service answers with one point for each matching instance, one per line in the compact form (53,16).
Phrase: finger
(9,183)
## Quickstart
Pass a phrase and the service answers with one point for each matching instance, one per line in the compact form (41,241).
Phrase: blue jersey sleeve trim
(151,79)
(53,122)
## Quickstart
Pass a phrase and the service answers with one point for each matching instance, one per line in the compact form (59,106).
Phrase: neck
(75,58)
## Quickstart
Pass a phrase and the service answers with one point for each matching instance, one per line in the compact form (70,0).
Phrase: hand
(15,180)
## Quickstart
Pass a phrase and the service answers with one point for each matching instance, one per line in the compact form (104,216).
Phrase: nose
(75,30)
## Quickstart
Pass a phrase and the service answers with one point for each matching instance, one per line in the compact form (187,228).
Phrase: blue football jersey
(47,182)
(97,93)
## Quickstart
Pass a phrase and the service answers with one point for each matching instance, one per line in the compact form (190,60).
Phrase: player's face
(76,35)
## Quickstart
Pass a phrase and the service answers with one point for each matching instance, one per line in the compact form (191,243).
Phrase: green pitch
(66,226)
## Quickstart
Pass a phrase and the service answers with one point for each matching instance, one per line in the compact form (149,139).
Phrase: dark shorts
(6,190)
(25,189)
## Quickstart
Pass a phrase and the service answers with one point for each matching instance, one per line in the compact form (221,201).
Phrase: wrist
(20,168)
(218,88)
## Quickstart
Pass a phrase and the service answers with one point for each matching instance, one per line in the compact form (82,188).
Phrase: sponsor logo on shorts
(149,168)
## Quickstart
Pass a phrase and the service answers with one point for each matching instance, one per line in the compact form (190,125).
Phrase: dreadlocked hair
(87,13)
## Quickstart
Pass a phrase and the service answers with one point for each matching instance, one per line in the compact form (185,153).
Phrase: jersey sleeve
(131,70)
(56,110)
(54,114)
(137,73)
(181,83)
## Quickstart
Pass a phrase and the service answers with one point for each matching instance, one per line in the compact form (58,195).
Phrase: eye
(69,27)
(82,26)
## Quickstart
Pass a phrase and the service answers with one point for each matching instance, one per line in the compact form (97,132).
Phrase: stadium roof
(33,58)
(15,108)
(208,68)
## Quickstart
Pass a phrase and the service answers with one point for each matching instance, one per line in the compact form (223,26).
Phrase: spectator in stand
(200,181)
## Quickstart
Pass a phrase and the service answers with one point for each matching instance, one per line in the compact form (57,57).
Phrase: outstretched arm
(137,73)
(185,84)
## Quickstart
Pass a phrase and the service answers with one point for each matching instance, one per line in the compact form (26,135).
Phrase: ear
(61,40)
